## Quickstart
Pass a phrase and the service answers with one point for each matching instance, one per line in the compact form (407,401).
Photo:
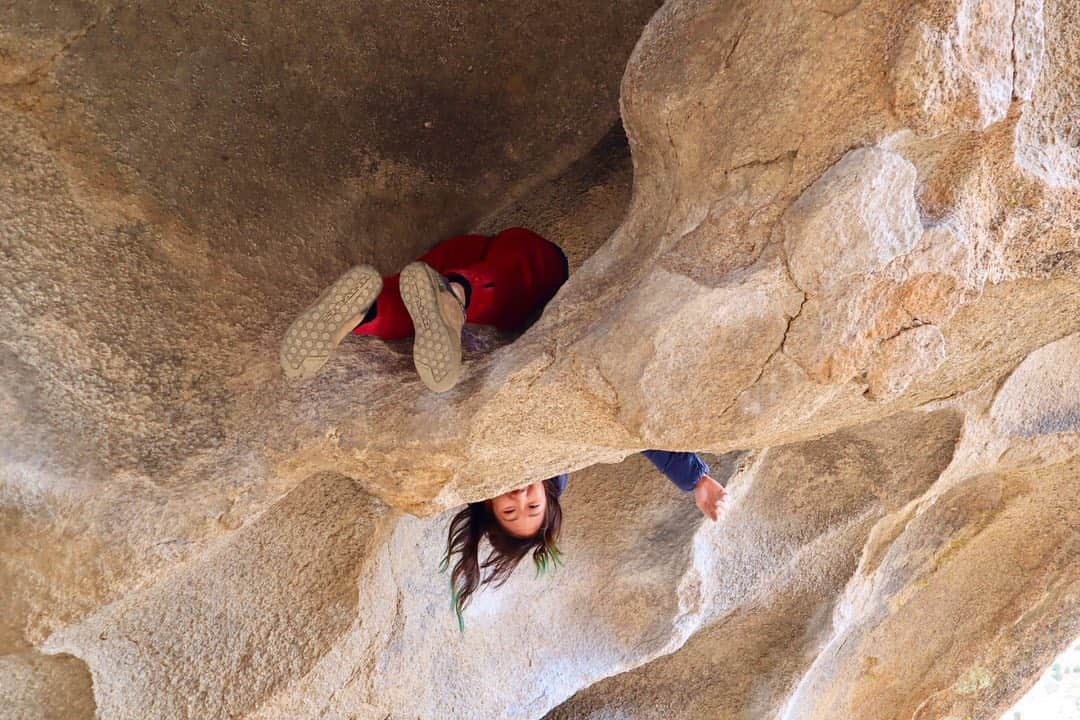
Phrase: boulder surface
(832,245)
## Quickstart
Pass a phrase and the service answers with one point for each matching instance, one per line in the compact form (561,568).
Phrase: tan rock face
(43,687)
(1048,141)
(148,271)
(955,69)
(836,251)
(1042,396)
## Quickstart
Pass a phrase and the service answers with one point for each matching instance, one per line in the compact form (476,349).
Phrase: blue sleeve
(560,484)
(682,468)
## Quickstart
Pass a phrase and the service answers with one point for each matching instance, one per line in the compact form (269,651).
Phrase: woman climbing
(505,281)
(530,518)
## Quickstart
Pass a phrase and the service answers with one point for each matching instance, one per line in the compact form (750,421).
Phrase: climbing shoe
(438,314)
(312,337)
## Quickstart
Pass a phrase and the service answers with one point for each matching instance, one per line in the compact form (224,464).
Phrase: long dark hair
(477,521)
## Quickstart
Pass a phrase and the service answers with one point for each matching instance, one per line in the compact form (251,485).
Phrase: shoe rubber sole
(312,337)
(437,344)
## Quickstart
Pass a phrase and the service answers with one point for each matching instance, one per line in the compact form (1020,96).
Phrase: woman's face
(521,512)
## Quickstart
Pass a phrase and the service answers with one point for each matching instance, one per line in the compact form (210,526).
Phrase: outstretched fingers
(711,498)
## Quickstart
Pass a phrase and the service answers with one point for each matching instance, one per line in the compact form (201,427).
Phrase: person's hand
(710,496)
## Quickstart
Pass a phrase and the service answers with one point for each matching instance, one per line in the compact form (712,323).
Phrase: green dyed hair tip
(454,607)
(548,561)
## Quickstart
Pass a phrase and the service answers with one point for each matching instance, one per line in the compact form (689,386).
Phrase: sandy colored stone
(325,607)
(1029,47)
(1048,138)
(854,219)
(930,595)
(911,353)
(955,66)
(34,686)
(778,568)
(1042,396)
(216,636)
(839,242)
(150,178)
